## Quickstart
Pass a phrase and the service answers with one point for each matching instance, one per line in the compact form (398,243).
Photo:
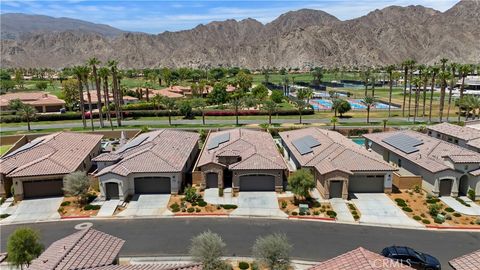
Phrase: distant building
(466,137)
(94,99)
(42,101)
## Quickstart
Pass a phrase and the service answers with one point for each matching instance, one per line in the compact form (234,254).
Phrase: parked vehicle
(412,258)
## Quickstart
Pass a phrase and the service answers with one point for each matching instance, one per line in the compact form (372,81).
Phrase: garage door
(152,185)
(43,188)
(257,183)
(446,187)
(366,184)
(336,189)
(212,180)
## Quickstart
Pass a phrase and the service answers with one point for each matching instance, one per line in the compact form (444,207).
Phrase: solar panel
(26,146)
(403,143)
(133,143)
(215,141)
(305,144)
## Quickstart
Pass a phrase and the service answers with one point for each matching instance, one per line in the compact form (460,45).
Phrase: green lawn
(4,148)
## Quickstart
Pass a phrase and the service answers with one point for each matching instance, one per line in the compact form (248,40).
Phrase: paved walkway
(35,210)
(108,208)
(473,210)
(341,208)
(4,208)
(378,208)
(211,196)
(258,204)
(147,205)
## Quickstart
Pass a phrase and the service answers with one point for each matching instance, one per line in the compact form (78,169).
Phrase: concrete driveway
(472,210)
(33,210)
(147,205)
(378,208)
(259,204)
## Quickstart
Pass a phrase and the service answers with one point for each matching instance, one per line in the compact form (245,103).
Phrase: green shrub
(434,209)
(432,200)
(229,206)
(331,213)
(450,210)
(457,214)
(402,204)
(351,206)
(316,213)
(417,188)
(284,204)
(294,213)
(198,210)
(477,221)
(243,265)
(407,209)
(462,202)
(426,221)
(191,195)
(356,217)
(302,213)
(354,212)
(417,217)
(190,210)
(471,194)
(316,204)
(89,207)
(202,203)
(174,205)
(67,203)
(194,204)
(4,215)
(399,200)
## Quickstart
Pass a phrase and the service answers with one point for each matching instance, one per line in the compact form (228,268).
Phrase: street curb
(76,217)
(312,218)
(453,227)
(200,215)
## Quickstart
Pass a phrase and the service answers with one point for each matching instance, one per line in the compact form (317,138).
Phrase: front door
(336,188)
(446,187)
(212,180)
(111,191)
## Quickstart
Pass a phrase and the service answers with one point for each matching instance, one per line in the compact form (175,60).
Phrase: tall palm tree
(390,69)
(433,70)
(27,112)
(271,107)
(366,74)
(103,73)
(93,62)
(411,68)
(443,77)
(334,121)
(200,104)
(417,82)
(112,64)
(406,66)
(77,70)
(86,73)
(369,102)
(464,70)
(169,105)
(237,104)
(424,76)
(120,75)
(453,69)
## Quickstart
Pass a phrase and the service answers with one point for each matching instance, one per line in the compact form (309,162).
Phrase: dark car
(412,258)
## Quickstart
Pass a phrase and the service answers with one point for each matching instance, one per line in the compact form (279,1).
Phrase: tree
(271,107)
(443,77)
(417,82)
(77,184)
(336,103)
(317,74)
(70,92)
(19,79)
(78,71)
(85,73)
(390,69)
(208,248)
(260,92)
(6,85)
(464,71)
(166,75)
(103,73)
(369,102)
(112,64)
(433,71)
(273,251)
(219,94)
(93,62)
(453,69)
(217,73)
(366,74)
(334,121)
(244,81)
(200,104)
(23,246)
(15,104)
(27,112)
(344,107)
(276,96)
(237,102)
(266,75)
(42,85)
(406,65)
(169,105)
(301,182)
(157,101)
(411,68)
(185,108)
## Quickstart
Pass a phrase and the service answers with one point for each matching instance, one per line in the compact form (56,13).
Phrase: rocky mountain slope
(295,39)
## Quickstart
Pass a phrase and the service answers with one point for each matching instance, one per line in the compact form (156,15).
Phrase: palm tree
(405,65)
(93,62)
(237,104)
(366,77)
(271,107)
(78,71)
(424,75)
(169,105)
(453,69)
(334,121)
(85,74)
(300,105)
(464,71)
(369,102)
(200,104)
(112,64)
(411,68)
(390,70)
(417,82)
(28,113)
(120,75)
(103,73)
(433,70)
(443,76)
(336,103)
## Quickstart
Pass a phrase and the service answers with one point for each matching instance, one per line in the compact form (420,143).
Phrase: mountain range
(299,38)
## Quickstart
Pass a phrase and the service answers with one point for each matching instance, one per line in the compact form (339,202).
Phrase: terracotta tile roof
(82,250)
(465,133)
(474,143)
(165,150)
(57,153)
(151,267)
(94,97)
(32,98)
(335,152)
(469,261)
(431,154)
(256,149)
(167,93)
(464,158)
(359,259)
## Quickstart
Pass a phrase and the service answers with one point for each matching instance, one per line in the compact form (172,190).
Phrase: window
(399,163)
(429,132)
(456,141)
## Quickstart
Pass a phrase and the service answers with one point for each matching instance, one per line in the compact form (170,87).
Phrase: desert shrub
(417,217)
(457,214)
(191,195)
(316,213)
(202,203)
(67,203)
(316,204)
(449,209)
(198,210)
(462,202)
(417,188)
(432,200)
(302,213)
(407,209)
(351,206)
(89,207)
(4,215)
(356,217)
(471,194)
(229,206)
(402,204)
(434,209)
(284,204)
(190,210)
(243,265)
(354,212)
(294,213)
(331,213)
(426,221)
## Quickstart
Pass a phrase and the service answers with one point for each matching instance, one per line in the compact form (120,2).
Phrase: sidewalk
(473,210)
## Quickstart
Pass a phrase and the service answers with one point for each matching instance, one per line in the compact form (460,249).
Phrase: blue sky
(158,16)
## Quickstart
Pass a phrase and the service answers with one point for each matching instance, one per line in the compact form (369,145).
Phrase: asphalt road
(314,241)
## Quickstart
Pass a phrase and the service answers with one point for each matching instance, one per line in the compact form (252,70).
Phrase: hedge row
(146,113)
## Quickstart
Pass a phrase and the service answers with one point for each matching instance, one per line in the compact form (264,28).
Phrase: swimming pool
(356,104)
(359,141)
